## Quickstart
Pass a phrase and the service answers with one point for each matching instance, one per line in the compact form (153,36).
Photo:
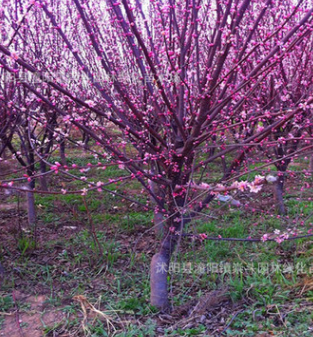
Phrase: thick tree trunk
(43,178)
(158,219)
(279,189)
(159,268)
(158,223)
(158,281)
(159,272)
(31,209)
(86,139)
(2,274)
(62,152)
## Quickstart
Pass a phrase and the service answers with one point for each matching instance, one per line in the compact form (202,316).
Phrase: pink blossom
(279,239)
(242,185)
(265,237)
(258,179)
(203,236)
(204,185)
(254,188)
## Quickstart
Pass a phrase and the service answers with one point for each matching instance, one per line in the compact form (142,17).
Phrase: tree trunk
(43,178)
(159,272)
(2,274)
(62,152)
(279,189)
(86,139)
(159,268)
(158,219)
(31,209)
(158,224)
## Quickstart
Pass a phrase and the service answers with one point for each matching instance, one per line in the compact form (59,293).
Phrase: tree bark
(158,218)
(2,274)
(62,152)
(279,189)
(158,224)
(159,272)
(31,209)
(86,139)
(43,178)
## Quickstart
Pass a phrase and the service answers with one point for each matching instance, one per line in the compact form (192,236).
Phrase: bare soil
(31,321)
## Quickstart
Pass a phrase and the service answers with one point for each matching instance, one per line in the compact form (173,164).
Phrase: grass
(100,249)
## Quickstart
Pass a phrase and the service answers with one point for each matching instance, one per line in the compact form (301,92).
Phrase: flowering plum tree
(22,112)
(289,85)
(183,81)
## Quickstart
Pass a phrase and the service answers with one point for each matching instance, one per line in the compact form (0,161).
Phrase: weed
(6,303)
(197,331)
(25,244)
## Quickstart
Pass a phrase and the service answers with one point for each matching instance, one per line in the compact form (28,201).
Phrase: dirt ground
(30,321)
